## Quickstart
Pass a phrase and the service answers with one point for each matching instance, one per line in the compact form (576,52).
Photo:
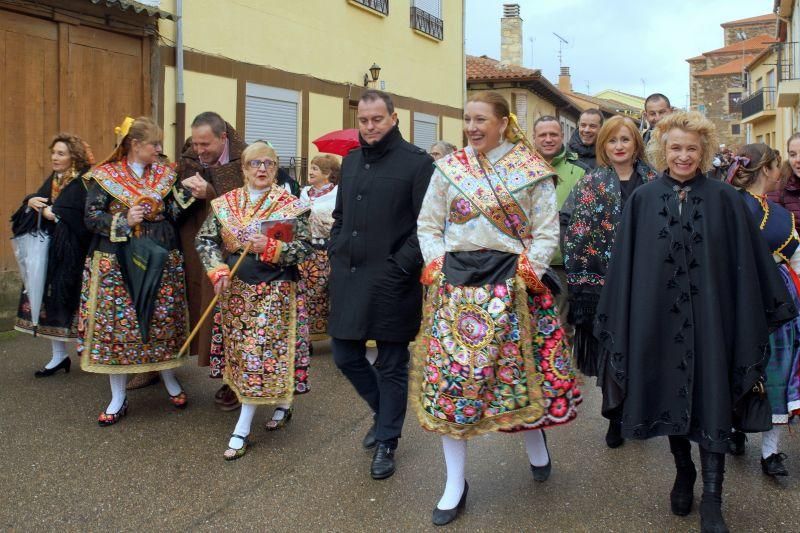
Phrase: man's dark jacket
(374,252)
(586,154)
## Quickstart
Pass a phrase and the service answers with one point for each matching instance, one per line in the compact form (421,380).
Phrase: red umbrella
(338,142)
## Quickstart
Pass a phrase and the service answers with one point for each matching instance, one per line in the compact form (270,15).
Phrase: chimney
(564,80)
(511,35)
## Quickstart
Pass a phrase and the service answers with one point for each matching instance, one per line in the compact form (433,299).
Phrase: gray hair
(212,120)
(443,146)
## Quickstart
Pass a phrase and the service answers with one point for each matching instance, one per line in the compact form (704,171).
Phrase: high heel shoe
(47,372)
(442,517)
(542,473)
(108,419)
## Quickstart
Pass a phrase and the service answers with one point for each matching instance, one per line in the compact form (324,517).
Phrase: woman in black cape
(684,318)
(60,203)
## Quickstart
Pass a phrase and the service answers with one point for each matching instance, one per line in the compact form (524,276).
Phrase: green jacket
(569,172)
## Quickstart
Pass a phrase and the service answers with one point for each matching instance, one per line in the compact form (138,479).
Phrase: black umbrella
(142,261)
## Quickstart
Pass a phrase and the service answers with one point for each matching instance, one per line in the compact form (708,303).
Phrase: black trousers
(384,386)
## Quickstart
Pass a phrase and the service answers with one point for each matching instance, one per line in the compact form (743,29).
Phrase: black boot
(614,434)
(736,443)
(682,495)
(712,465)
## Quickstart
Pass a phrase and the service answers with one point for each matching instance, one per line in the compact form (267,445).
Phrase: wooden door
(106,81)
(28,116)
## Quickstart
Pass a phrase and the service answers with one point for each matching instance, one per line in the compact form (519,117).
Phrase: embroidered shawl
(593,210)
(776,224)
(118,180)
(474,177)
(240,219)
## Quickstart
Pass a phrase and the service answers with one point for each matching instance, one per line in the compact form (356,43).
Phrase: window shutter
(271,115)
(425,130)
(433,7)
(521,110)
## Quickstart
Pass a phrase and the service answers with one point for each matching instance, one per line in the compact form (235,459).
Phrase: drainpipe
(180,103)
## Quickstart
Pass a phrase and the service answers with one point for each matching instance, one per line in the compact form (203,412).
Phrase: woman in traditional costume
(264,329)
(756,171)
(133,309)
(60,203)
(589,218)
(491,354)
(323,175)
(683,321)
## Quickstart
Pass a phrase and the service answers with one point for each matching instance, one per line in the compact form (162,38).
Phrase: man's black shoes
(382,462)
(369,441)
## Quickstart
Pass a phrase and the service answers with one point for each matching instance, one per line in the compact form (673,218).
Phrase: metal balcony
(759,101)
(380,6)
(427,23)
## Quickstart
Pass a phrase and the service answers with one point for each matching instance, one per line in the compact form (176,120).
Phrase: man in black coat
(375,266)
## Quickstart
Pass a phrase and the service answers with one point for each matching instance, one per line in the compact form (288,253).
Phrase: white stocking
(278,415)
(455,458)
(118,382)
(769,441)
(537,450)
(242,425)
(59,353)
(171,382)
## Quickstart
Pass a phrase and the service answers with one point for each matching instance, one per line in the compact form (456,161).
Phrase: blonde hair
(329,165)
(144,130)
(501,110)
(689,121)
(608,129)
(256,149)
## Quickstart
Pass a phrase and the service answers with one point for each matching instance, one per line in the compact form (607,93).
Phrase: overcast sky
(613,44)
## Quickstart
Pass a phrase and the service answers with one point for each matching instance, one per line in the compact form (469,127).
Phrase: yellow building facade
(760,114)
(290,72)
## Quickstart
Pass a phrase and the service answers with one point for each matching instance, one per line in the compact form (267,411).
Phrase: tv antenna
(561,43)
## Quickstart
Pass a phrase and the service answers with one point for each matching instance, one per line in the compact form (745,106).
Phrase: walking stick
(213,303)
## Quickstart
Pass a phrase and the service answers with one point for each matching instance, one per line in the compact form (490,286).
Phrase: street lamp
(374,71)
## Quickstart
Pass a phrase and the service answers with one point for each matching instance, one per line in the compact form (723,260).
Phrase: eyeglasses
(256,163)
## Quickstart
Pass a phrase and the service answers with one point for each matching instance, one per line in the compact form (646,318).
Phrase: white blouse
(321,217)
(439,234)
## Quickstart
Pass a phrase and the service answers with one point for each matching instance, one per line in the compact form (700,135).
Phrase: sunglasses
(256,163)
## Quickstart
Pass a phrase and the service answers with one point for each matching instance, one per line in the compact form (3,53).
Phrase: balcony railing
(762,99)
(427,23)
(381,6)
(788,56)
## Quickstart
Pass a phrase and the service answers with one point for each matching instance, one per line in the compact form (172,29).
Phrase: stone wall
(750,30)
(511,40)
(712,92)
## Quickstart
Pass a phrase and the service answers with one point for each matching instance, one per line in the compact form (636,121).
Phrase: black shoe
(442,517)
(369,441)
(382,462)
(773,465)
(682,496)
(47,372)
(736,443)
(614,434)
(541,473)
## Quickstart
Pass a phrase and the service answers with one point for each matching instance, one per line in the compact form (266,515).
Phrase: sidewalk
(162,469)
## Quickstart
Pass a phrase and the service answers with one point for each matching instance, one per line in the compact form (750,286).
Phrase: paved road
(162,469)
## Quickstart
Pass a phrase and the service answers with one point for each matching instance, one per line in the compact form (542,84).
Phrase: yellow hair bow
(122,130)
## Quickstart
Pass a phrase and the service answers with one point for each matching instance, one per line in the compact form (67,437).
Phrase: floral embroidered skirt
(263,331)
(783,368)
(315,272)
(491,358)
(110,341)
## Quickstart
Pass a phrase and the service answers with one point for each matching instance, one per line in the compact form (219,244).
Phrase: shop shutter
(425,130)
(271,115)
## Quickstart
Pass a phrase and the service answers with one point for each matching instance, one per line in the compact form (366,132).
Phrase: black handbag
(753,413)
